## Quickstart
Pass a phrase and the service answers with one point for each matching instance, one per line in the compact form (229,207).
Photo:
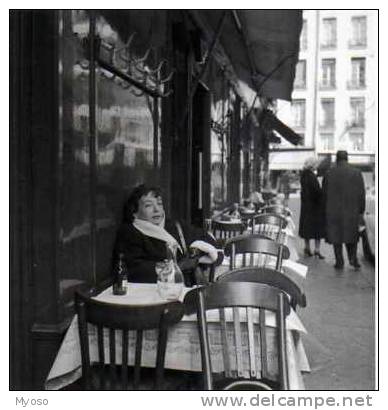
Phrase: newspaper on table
(183,348)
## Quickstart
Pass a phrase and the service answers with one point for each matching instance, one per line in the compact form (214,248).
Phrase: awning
(263,47)
(269,121)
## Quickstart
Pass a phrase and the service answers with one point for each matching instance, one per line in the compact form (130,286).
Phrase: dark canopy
(263,46)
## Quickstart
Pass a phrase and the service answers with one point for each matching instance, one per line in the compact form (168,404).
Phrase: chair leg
(161,354)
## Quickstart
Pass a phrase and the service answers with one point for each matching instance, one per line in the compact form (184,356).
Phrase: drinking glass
(169,280)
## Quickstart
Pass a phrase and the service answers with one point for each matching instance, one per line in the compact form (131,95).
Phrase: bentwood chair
(270,277)
(114,320)
(245,357)
(255,250)
(223,230)
(276,209)
(247,218)
(268,225)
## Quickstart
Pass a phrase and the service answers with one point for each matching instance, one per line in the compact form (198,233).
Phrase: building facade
(334,102)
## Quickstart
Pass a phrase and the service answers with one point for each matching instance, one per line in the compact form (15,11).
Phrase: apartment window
(303,36)
(328,73)
(299,113)
(329,33)
(358,31)
(357,108)
(358,72)
(300,74)
(356,140)
(327,141)
(327,113)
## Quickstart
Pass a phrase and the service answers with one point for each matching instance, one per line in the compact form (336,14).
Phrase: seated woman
(144,233)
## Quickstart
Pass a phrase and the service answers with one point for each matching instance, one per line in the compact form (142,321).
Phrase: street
(340,321)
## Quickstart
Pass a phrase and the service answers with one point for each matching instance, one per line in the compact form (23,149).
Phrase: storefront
(102,101)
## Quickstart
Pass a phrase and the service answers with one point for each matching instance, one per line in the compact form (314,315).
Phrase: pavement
(340,320)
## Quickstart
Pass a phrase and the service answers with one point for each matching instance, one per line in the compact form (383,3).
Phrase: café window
(299,113)
(329,33)
(327,141)
(357,109)
(356,140)
(328,73)
(303,36)
(126,150)
(221,116)
(327,113)
(358,32)
(357,79)
(300,74)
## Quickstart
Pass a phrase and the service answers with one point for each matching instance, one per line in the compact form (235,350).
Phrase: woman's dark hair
(131,206)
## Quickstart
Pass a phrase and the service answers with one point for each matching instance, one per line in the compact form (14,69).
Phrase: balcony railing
(328,46)
(355,85)
(357,44)
(356,126)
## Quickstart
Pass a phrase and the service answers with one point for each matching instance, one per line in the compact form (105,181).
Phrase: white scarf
(156,231)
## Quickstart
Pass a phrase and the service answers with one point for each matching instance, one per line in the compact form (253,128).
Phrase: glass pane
(329,38)
(327,142)
(74,247)
(128,147)
(356,141)
(218,166)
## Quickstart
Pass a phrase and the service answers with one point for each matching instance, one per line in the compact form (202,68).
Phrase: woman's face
(150,209)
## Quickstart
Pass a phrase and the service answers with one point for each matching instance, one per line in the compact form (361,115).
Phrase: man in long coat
(344,196)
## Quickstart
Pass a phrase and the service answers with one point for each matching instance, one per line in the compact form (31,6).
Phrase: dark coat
(312,221)
(344,195)
(142,252)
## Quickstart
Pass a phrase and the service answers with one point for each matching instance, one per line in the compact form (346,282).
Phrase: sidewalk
(340,321)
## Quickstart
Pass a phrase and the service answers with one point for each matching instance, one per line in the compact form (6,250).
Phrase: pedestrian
(344,196)
(312,221)
(286,186)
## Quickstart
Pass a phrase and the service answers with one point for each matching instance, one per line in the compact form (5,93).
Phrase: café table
(183,348)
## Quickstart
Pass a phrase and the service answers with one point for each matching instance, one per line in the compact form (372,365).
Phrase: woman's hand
(210,252)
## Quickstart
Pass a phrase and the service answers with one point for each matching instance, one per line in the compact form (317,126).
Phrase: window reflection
(127,150)
(74,196)
(127,140)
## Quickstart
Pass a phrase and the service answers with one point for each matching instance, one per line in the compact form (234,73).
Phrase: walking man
(344,198)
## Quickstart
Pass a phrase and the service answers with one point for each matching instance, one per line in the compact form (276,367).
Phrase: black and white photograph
(193,201)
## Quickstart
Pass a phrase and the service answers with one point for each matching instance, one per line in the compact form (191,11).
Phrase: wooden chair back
(275,209)
(223,231)
(270,277)
(252,245)
(269,225)
(249,300)
(247,219)
(113,319)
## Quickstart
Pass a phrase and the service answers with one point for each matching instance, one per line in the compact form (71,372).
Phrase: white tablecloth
(183,349)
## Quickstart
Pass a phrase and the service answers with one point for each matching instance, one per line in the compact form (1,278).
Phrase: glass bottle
(169,276)
(120,275)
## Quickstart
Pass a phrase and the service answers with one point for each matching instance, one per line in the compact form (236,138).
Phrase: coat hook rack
(134,71)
